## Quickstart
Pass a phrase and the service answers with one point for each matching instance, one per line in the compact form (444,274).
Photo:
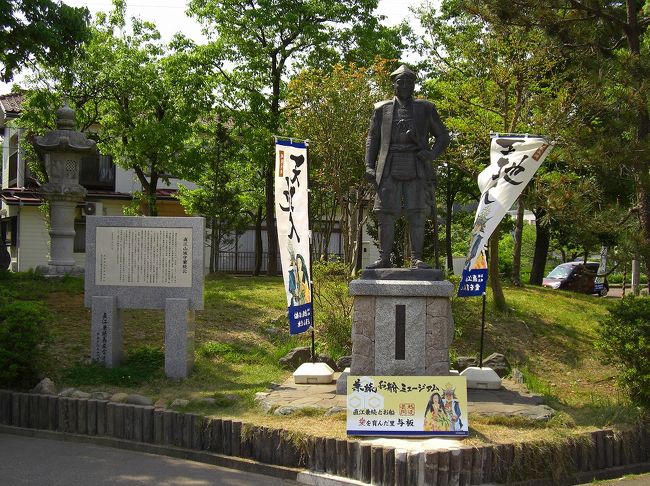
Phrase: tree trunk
(271,229)
(516,254)
(258,242)
(542,242)
(213,244)
(636,275)
(448,222)
(643,192)
(358,258)
(493,272)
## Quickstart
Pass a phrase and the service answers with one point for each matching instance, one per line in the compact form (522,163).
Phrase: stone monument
(144,263)
(402,321)
(62,150)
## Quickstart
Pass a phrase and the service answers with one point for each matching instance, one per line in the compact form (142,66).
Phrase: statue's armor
(402,144)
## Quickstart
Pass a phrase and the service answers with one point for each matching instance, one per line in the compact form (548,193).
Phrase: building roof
(32,197)
(12,103)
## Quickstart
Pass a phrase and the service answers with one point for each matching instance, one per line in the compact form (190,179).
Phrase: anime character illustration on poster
(407,406)
(292,215)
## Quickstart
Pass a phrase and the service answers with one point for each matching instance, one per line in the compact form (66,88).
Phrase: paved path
(35,461)
(511,400)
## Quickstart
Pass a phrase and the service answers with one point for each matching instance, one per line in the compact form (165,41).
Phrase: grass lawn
(242,333)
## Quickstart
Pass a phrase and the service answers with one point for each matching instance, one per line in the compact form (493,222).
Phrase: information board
(407,406)
(143,257)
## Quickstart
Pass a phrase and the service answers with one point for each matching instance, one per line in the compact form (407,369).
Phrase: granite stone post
(106,331)
(401,327)
(179,338)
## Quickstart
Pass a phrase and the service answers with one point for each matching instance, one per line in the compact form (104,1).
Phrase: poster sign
(407,406)
(143,257)
(513,161)
(292,215)
(599,282)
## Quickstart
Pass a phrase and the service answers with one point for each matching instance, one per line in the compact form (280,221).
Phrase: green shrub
(624,336)
(333,307)
(23,336)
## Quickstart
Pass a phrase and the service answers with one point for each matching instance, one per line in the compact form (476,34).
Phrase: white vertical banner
(292,216)
(513,161)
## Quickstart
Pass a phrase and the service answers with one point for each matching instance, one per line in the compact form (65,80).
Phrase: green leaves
(40,30)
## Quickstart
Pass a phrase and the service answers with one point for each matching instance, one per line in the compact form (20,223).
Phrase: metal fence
(243,262)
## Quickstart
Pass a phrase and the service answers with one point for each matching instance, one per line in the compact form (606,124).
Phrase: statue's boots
(386,235)
(416,234)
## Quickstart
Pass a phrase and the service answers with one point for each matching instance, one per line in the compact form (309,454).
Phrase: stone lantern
(62,150)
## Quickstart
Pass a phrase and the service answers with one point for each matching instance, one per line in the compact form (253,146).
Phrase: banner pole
(311,260)
(480,363)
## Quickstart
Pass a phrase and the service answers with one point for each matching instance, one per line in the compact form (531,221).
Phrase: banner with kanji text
(292,216)
(513,161)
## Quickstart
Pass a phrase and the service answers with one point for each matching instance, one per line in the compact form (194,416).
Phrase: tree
(332,110)
(144,96)
(488,79)
(39,31)
(216,159)
(605,42)
(261,40)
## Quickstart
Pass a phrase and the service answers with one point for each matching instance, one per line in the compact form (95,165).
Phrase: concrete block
(320,454)
(376,464)
(106,331)
(313,373)
(236,438)
(227,437)
(354,459)
(179,338)
(43,411)
(52,412)
(91,417)
(365,461)
(481,378)
(158,426)
(137,423)
(119,420)
(148,424)
(330,456)
(342,458)
(388,466)
(82,416)
(102,417)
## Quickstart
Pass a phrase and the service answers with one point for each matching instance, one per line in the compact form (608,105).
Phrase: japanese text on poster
(407,405)
(143,257)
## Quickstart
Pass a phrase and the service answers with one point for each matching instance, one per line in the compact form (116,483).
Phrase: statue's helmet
(402,72)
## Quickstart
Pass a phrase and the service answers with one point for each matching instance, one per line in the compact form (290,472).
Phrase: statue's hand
(425,155)
(370,175)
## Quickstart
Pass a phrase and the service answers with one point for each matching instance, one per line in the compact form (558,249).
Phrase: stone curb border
(230,443)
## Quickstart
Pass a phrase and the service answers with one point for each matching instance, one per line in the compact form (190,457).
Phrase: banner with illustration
(407,405)
(599,282)
(292,216)
(513,161)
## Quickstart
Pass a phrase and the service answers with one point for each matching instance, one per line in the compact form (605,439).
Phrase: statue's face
(403,87)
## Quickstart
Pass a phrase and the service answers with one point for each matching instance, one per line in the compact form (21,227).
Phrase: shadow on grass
(142,365)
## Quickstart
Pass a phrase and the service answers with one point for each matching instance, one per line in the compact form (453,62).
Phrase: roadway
(37,461)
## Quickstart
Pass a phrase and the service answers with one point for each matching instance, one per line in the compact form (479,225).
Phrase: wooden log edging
(581,457)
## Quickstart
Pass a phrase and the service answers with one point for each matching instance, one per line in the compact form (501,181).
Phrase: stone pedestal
(62,151)
(62,215)
(179,338)
(106,332)
(401,327)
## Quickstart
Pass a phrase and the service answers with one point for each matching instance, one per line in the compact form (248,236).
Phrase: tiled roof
(31,197)
(11,103)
